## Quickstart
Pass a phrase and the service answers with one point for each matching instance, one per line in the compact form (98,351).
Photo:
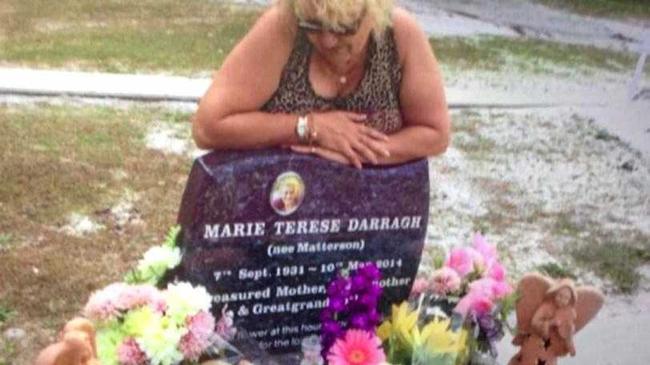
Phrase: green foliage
(150,270)
(556,271)
(122,36)
(617,262)
(172,237)
(421,357)
(606,8)
(493,53)
(5,239)
(507,306)
(5,313)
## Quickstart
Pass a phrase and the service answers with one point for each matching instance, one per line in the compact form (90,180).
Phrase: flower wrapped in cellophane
(470,289)
(140,324)
(409,337)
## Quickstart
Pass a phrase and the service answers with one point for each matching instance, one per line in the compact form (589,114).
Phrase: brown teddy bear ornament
(76,346)
(549,313)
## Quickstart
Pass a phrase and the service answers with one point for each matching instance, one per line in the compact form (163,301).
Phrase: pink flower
(135,296)
(487,251)
(501,289)
(118,298)
(199,336)
(445,281)
(419,286)
(129,353)
(491,288)
(474,302)
(226,325)
(460,260)
(357,347)
(102,304)
(497,272)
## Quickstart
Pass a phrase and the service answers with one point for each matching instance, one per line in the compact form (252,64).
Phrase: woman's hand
(342,134)
(322,152)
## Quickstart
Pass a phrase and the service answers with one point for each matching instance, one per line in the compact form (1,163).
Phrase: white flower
(160,341)
(160,256)
(156,261)
(185,300)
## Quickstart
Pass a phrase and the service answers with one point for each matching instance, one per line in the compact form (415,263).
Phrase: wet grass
(606,8)
(57,160)
(615,256)
(491,53)
(556,271)
(615,261)
(121,36)
(161,36)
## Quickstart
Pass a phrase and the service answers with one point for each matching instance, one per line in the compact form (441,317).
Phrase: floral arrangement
(157,260)
(410,337)
(348,322)
(470,288)
(454,315)
(139,324)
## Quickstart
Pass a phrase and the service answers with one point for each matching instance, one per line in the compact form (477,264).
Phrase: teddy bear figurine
(76,346)
(549,313)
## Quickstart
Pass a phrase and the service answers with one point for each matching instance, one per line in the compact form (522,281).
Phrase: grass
(557,271)
(57,160)
(616,257)
(618,8)
(493,53)
(121,36)
(161,36)
(615,261)
(5,240)
(5,313)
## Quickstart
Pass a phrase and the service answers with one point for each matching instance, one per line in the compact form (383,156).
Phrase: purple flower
(375,289)
(368,300)
(326,314)
(339,287)
(336,304)
(359,321)
(332,327)
(358,284)
(370,272)
(352,301)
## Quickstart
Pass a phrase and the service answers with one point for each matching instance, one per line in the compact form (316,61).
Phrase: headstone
(265,231)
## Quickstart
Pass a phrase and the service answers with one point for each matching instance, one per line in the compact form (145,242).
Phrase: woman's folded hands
(341,136)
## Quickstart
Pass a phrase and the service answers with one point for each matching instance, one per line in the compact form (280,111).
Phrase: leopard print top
(377,95)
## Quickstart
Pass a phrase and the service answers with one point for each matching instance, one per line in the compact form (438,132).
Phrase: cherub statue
(76,346)
(549,314)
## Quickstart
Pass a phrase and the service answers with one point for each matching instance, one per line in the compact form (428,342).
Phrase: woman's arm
(422,96)
(228,116)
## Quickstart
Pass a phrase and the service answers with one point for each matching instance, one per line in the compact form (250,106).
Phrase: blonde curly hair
(339,13)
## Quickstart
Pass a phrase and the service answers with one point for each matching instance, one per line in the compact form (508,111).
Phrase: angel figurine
(549,313)
(76,346)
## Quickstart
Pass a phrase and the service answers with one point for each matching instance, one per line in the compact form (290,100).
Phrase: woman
(353,81)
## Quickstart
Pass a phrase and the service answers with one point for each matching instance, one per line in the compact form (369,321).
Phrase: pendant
(343,80)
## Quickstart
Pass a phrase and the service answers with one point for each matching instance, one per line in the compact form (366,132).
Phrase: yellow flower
(437,337)
(402,324)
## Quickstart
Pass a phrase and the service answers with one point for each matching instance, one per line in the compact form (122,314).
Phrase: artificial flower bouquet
(455,316)
(139,324)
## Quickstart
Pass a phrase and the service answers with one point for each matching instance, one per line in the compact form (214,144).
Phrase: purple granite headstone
(265,231)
